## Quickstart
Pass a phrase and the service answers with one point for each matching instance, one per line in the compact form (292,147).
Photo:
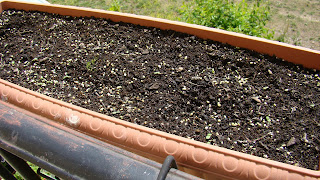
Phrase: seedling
(90,64)
(208,136)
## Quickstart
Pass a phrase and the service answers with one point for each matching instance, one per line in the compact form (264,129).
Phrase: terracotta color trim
(197,158)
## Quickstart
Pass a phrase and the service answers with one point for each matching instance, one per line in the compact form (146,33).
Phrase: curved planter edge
(197,158)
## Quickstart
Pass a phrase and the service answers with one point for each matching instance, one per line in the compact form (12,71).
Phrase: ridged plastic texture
(206,161)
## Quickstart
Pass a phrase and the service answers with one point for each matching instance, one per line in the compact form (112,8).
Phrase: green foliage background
(239,17)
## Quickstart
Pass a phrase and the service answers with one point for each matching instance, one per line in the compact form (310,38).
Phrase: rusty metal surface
(70,154)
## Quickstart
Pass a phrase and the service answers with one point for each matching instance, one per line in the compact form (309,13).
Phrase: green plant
(229,15)
(115,6)
(90,64)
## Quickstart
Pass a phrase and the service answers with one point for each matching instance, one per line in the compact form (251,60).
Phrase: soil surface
(173,82)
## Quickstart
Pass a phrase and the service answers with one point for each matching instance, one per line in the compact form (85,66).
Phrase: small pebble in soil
(144,52)
(154,86)
(197,131)
(179,69)
(291,142)
(256,99)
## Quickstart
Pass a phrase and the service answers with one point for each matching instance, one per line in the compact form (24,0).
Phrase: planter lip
(199,153)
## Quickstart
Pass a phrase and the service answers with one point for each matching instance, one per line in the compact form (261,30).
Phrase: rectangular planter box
(200,159)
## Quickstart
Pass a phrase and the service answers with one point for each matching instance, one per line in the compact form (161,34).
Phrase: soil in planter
(173,82)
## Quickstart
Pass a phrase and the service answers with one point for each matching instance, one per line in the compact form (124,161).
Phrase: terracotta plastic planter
(206,161)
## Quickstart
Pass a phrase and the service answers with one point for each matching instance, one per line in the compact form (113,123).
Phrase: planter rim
(189,153)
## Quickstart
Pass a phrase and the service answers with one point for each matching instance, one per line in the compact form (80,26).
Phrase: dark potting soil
(173,82)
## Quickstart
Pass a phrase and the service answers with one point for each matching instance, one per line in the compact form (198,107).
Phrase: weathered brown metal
(67,153)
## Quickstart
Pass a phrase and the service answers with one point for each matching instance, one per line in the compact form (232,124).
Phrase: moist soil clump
(174,82)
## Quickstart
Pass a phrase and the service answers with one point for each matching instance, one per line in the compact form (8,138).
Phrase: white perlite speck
(73,120)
